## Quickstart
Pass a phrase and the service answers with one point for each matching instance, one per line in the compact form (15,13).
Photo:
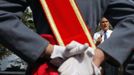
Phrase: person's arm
(15,35)
(97,38)
(98,41)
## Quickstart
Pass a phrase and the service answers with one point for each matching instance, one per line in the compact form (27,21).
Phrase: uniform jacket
(29,46)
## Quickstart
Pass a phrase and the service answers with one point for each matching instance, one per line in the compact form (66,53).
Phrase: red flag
(67,24)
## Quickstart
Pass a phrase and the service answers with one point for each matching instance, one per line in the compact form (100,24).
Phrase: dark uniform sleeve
(15,35)
(120,44)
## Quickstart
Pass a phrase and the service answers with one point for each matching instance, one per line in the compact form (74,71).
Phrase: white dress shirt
(101,32)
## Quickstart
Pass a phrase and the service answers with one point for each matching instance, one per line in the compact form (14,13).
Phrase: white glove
(74,48)
(79,65)
(58,52)
(71,49)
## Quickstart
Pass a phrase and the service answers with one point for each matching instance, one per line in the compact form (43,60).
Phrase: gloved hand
(75,48)
(71,49)
(80,65)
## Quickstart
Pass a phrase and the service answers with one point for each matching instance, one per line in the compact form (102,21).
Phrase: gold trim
(77,12)
(51,21)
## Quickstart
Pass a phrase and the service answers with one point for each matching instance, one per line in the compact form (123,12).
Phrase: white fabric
(101,32)
(80,65)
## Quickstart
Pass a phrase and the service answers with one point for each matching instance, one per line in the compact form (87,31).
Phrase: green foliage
(4,52)
(27,19)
